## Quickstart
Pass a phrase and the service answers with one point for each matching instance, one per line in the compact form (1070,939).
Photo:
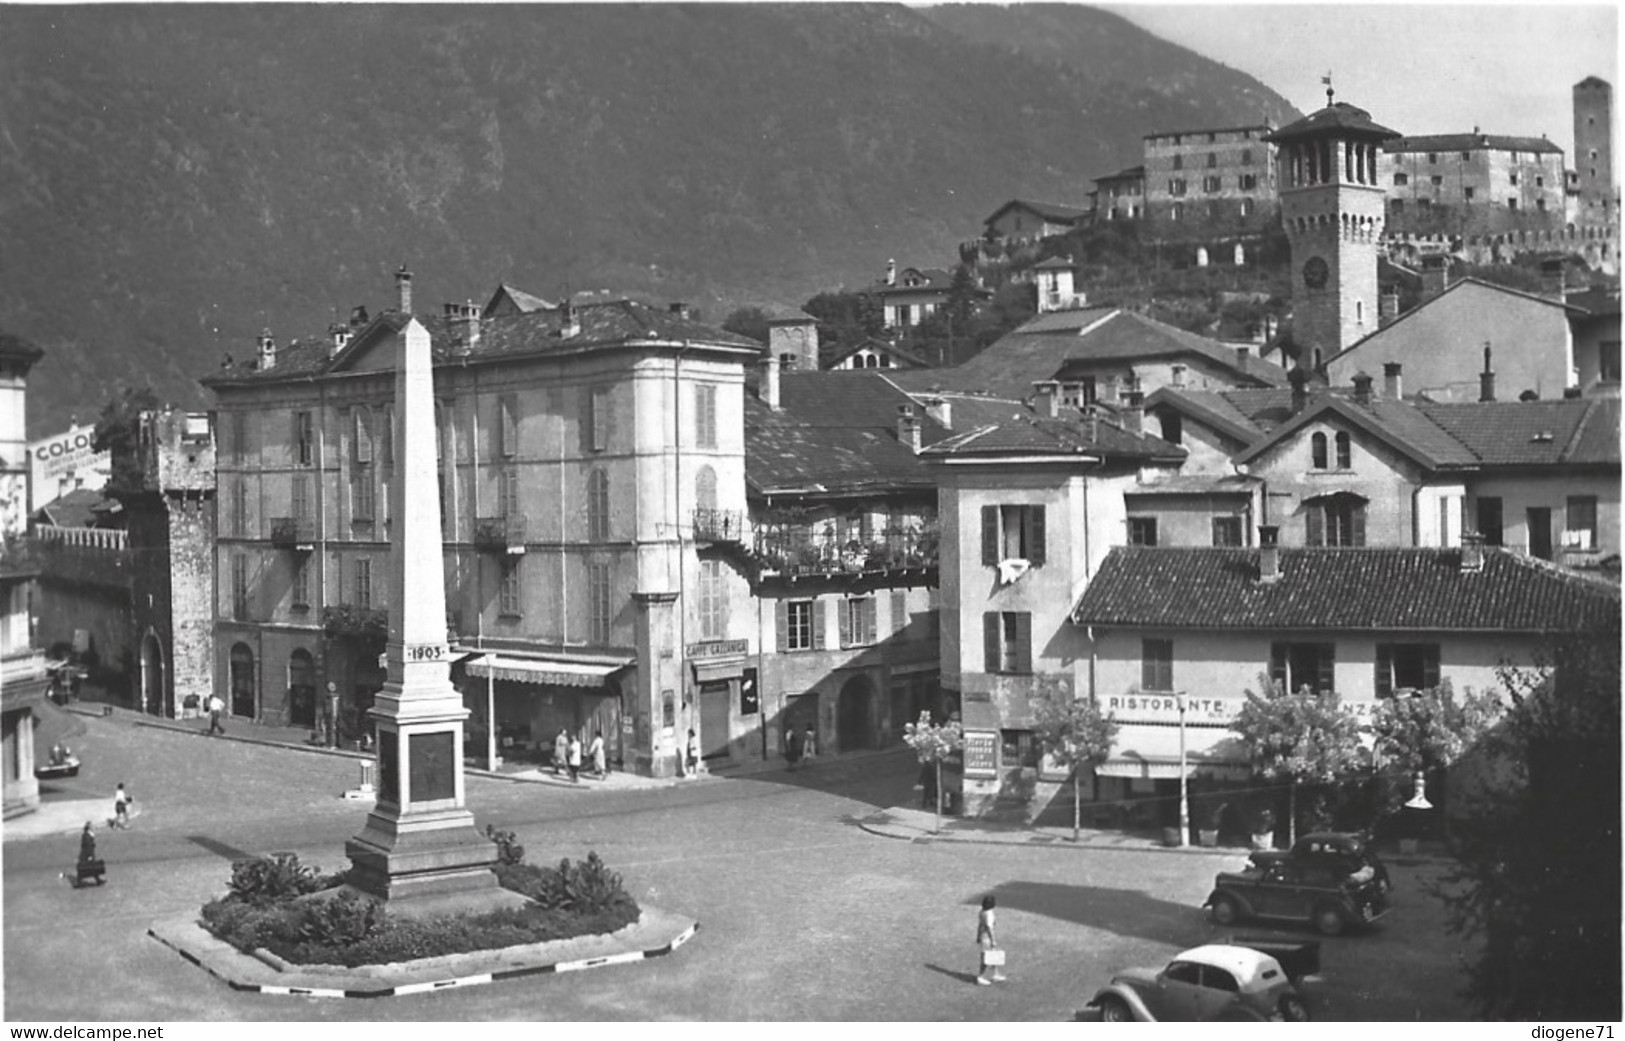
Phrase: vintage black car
(1346,851)
(1236,980)
(1283,887)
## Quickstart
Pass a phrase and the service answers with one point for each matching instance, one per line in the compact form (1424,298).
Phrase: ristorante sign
(1155,707)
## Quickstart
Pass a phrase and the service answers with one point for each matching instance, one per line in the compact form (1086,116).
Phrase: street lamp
(1184,792)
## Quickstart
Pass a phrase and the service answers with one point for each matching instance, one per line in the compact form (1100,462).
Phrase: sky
(1428,68)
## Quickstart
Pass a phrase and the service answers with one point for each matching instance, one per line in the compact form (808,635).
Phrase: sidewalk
(915,825)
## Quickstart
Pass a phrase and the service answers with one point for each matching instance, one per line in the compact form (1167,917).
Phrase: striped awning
(543,671)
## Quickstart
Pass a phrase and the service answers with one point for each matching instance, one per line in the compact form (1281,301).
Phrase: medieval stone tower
(1332,210)
(1594,149)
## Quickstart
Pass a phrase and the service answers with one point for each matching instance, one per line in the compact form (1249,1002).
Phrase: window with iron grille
(1156,665)
(508,597)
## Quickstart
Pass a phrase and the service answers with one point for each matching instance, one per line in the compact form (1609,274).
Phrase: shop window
(1018,749)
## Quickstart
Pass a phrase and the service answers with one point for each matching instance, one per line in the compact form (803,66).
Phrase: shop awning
(545,671)
(1152,753)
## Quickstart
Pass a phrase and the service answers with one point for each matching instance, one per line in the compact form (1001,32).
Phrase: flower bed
(300,915)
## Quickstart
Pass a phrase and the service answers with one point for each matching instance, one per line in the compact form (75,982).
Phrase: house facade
(1120,196)
(1210,182)
(1472,183)
(23,678)
(1022,220)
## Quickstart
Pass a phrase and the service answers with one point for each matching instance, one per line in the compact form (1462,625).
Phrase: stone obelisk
(419,849)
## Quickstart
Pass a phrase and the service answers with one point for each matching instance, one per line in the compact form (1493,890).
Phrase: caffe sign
(717,649)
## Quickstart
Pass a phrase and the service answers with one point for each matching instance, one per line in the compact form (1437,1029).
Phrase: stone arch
(301,689)
(243,682)
(854,714)
(154,666)
(705,488)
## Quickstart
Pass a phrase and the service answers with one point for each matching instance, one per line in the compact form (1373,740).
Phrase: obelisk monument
(419,849)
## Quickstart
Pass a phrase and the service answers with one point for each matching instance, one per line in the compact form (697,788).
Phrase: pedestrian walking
(216,708)
(121,807)
(88,867)
(596,750)
(561,753)
(809,744)
(693,754)
(573,752)
(992,958)
(792,746)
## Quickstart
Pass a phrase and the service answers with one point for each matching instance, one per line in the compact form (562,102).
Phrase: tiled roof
(1197,484)
(1031,434)
(878,346)
(1047,210)
(80,508)
(1398,423)
(1410,590)
(1209,407)
(1070,320)
(1532,433)
(602,324)
(835,431)
(1132,173)
(1469,143)
(1208,130)
(1341,117)
(522,301)
(1129,334)
(1597,301)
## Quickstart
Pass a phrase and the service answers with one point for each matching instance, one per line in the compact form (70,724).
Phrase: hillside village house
(1120,196)
(1215,180)
(1484,181)
(1022,220)
(910,296)
(1054,280)
(870,353)
(1596,339)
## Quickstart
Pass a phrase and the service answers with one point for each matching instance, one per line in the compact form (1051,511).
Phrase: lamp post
(1184,787)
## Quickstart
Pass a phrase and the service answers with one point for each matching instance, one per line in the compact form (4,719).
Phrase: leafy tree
(1302,738)
(1430,729)
(932,744)
(844,318)
(748,321)
(1536,870)
(1074,733)
(117,432)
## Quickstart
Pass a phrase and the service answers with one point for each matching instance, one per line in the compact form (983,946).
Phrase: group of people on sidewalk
(802,747)
(567,755)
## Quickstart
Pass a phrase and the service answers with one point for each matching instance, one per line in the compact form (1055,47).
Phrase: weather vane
(1327,79)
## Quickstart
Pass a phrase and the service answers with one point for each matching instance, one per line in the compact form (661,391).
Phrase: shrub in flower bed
(282,906)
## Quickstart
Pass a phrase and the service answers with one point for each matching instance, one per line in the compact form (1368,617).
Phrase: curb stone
(243,972)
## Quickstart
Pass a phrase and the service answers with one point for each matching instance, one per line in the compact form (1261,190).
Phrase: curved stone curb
(887,826)
(656,934)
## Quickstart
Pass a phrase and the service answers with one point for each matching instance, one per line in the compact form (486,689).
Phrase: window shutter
(845,622)
(363,434)
(587,419)
(1326,668)
(1024,641)
(1357,525)
(1035,534)
(1430,666)
(1384,680)
(781,623)
(818,625)
(871,609)
(1314,526)
(990,641)
(990,536)
(899,610)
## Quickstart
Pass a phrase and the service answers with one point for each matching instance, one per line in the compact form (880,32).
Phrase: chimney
(1472,552)
(891,272)
(464,322)
(1551,278)
(768,389)
(908,427)
(1134,413)
(1393,386)
(1486,379)
(267,352)
(1300,392)
(1362,389)
(358,316)
(1047,402)
(569,320)
(1269,553)
(1242,354)
(1435,275)
(403,287)
(340,334)
(940,410)
(1387,305)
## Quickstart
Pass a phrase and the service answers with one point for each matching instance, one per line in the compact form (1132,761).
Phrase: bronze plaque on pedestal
(433,763)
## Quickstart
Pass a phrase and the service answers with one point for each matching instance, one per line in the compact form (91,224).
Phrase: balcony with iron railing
(712,525)
(799,549)
(295,533)
(500,534)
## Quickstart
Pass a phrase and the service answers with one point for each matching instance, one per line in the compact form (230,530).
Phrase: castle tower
(1594,149)
(1332,211)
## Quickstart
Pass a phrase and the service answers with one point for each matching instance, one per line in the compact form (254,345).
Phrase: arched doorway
(154,700)
(853,727)
(242,681)
(301,689)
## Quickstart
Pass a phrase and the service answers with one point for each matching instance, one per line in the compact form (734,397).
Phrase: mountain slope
(173,178)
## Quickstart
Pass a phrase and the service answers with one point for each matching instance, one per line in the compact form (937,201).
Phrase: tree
(1425,730)
(1302,738)
(117,432)
(1072,732)
(1536,868)
(932,744)
(748,321)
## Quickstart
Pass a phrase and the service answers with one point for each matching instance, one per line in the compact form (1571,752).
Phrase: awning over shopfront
(543,671)
(1152,753)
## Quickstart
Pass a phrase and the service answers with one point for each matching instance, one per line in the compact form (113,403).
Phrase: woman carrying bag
(992,966)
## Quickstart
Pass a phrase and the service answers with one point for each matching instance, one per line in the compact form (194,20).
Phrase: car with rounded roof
(1215,981)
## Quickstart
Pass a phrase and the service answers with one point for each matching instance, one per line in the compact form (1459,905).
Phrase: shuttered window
(1156,665)
(1007,641)
(857,621)
(1013,532)
(598,506)
(507,427)
(363,434)
(1406,666)
(595,419)
(793,620)
(705,415)
(899,610)
(1299,665)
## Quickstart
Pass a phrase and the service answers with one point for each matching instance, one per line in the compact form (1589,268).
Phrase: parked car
(61,762)
(1218,981)
(1347,851)
(1279,886)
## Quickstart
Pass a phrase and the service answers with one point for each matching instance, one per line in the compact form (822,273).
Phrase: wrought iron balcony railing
(297,533)
(500,534)
(719,525)
(808,550)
